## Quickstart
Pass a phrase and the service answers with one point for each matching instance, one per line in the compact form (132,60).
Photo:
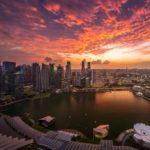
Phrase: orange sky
(110,34)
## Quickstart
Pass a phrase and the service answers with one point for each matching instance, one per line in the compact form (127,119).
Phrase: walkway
(124,136)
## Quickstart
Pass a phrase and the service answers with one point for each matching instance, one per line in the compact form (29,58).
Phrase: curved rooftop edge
(142,134)
(16,134)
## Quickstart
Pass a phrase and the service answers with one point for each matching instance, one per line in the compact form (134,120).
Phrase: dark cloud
(106,62)
(128,9)
(97,62)
(48,59)
(100,62)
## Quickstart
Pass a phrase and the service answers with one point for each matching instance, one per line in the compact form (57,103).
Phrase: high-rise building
(41,77)
(76,78)
(38,85)
(83,70)
(27,73)
(19,84)
(1,81)
(9,77)
(83,82)
(52,76)
(9,67)
(59,76)
(89,73)
(89,65)
(45,78)
(35,74)
(68,72)
(97,78)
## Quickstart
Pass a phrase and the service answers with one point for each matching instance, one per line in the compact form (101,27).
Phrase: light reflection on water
(84,111)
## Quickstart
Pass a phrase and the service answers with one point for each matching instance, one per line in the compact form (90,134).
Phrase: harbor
(75,112)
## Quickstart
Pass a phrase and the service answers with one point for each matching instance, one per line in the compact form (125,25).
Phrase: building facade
(9,77)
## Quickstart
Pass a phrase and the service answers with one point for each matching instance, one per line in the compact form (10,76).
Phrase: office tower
(97,78)
(83,82)
(59,76)
(35,75)
(9,67)
(27,73)
(89,73)
(45,77)
(94,76)
(83,70)
(9,77)
(19,84)
(1,81)
(68,73)
(52,76)
(89,65)
(38,86)
(76,78)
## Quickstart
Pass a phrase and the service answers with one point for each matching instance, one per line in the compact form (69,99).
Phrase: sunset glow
(110,34)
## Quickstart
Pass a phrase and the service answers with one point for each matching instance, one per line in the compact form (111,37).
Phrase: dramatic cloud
(108,32)
(97,62)
(48,59)
(52,7)
(106,62)
(100,62)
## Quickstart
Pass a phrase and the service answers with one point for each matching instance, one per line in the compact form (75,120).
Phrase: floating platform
(47,121)
(101,131)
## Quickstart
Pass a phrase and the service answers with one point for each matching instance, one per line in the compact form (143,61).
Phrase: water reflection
(83,111)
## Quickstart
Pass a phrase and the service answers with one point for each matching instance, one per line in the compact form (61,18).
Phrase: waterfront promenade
(124,136)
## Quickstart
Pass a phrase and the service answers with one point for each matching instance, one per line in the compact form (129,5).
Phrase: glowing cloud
(107,32)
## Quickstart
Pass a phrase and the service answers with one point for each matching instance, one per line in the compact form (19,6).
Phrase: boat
(139,94)
(58,91)
(101,131)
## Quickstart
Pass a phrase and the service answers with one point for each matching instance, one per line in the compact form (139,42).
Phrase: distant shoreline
(78,91)
(25,99)
(14,102)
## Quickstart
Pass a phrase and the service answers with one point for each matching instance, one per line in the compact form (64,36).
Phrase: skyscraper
(52,76)
(45,77)
(68,72)
(27,73)
(35,69)
(9,67)
(89,73)
(41,77)
(38,86)
(83,70)
(59,76)
(36,76)
(1,80)
(9,77)
(76,79)
(19,84)
(89,65)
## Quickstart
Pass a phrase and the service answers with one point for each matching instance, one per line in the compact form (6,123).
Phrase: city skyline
(75,74)
(108,34)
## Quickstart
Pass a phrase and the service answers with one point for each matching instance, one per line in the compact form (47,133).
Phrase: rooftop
(142,132)
(47,119)
(50,140)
